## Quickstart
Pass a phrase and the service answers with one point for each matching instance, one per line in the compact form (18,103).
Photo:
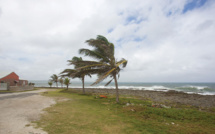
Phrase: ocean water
(190,88)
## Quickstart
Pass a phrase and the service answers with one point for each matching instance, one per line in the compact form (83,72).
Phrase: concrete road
(17,110)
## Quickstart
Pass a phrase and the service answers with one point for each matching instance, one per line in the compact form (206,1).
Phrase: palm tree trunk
(117,90)
(56,84)
(67,87)
(83,85)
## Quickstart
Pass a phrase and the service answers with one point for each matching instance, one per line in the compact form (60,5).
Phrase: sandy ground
(17,110)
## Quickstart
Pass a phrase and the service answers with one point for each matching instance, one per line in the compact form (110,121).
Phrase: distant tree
(74,73)
(31,84)
(54,78)
(61,81)
(50,83)
(67,82)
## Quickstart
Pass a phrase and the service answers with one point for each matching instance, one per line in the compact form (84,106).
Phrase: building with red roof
(12,79)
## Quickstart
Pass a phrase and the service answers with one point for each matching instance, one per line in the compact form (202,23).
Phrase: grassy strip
(5,91)
(90,114)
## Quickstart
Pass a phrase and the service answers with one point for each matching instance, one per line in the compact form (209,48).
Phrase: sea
(190,88)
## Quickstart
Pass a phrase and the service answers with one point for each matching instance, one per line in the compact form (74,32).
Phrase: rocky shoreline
(204,101)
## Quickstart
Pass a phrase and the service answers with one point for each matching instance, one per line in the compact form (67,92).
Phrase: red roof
(11,76)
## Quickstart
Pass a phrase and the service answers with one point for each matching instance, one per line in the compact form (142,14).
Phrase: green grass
(87,114)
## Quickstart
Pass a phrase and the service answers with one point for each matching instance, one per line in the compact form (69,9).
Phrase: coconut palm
(50,83)
(106,64)
(61,81)
(67,82)
(74,73)
(54,78)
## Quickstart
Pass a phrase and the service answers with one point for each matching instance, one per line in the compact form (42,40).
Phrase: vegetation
(31,84)
(54,78)
(74,73)
(61,82)
(50,83)
(90,114)
(106,64)
(67,82)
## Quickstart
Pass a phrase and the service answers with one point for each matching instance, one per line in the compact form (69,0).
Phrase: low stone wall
(3,86)
(21,88)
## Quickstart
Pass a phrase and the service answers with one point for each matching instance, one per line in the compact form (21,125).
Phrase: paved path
(17,110)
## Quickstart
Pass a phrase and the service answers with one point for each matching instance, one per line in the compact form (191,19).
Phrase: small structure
(14,83)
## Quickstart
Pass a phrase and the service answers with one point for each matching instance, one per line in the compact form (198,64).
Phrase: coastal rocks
(171,96)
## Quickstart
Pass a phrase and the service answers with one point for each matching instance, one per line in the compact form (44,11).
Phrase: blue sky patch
(119,40)
(169,13)
(110,30)
(139,39)
(134,19)
(131,18)
(193,4)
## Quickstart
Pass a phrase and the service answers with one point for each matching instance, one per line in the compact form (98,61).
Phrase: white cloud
(159,41)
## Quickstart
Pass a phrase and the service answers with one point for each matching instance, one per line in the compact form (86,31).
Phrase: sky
(163,40)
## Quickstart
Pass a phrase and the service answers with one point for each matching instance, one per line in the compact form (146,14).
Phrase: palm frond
(93,54)
(103,47)
(112,49)
(102,38)
(93,66)
(88,72)
(99,40)
(104,76)
(94,42)
(77,58)
(108,82)
(122,62)
(71,62)
(68,73)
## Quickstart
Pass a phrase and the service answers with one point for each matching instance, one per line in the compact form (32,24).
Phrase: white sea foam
(191,88)
(152,88)
(194,87)
(207,93)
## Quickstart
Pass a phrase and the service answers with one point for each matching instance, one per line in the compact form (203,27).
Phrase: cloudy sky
(163,40)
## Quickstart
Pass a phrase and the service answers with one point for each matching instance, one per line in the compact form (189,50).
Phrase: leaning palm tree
(106,64)
(67,82)
(54,78)
(74,73)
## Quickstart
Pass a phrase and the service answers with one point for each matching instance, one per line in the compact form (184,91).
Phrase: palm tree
(61,81)
(54,78)
(50,83)
(106,64)
(67,82)
(74,73)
